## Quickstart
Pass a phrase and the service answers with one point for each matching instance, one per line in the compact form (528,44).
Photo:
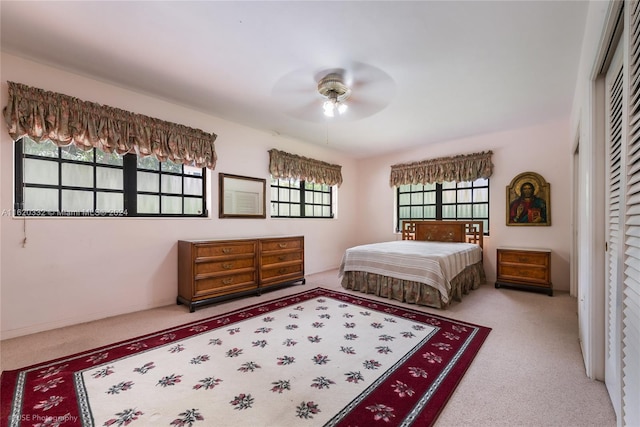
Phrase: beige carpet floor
(529,371)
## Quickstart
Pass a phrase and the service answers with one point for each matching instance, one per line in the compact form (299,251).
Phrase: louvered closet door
(615,179)
(631,284)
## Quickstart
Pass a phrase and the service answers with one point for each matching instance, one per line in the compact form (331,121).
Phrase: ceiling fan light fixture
(333,88)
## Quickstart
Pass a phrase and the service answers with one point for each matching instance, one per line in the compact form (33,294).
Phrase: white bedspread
(432,263)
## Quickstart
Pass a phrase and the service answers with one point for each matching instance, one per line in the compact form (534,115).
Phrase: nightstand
(524,268)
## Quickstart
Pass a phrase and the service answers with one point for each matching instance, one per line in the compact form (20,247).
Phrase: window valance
(285,165)
(467,167)
(43,115)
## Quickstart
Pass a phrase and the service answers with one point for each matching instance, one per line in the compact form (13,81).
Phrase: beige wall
(73,270)
(542,149)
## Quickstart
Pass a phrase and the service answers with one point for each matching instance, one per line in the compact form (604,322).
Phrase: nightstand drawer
(524,257)
(522,273)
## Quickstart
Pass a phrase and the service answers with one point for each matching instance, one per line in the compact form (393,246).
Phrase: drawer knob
(227,266)
(282,245)
(227,281)
(226,250)
(282,257)
(282,271)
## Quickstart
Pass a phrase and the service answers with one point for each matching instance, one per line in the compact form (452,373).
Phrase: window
(447,201)
(66,181)
(291,198)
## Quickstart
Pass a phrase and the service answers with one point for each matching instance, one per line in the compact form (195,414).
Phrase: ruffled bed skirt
(415,292)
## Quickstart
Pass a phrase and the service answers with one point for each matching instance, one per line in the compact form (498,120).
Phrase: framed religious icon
(528,200)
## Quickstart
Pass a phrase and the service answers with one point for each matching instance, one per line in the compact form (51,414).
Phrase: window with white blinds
(631,284)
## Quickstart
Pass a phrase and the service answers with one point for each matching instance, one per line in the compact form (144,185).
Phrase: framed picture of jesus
(528,200)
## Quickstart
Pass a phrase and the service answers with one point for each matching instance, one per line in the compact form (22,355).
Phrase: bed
(435,263)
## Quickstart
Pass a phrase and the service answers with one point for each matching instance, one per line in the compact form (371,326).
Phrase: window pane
(465,211)
(431,186)
(308,210)
(448,184)
(326,211)
(416,187)
(430,198)
(77,200)
(284,195)
(192,206)
(405,199)
(317,198)
(404,188)
(193,186)
(148,182)
(308,197)
(481,195)
(148,204)
(416,198)
(43,149)
(449,211)
(108,159)
(448,197)
(326,199)
(274,193)
(430,212)
(481,211)
(481,182)
(171,184)
(148,162)
(295,210)
(464,196)
(75,175)
(317,211)
(40,199)
(40,172)
(171,205)
(416,212)
(405,212)
(72,152)
(110,202)
(169,166)
(192,170)
(284,209)
(109,178)
(464,184)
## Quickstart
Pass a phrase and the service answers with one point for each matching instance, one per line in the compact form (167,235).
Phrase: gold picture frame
(528,200)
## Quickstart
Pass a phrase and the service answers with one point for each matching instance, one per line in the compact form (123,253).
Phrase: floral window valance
(43,115)
(468,167)
(285,165)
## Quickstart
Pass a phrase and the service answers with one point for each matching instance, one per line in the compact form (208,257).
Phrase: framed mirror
(241,196)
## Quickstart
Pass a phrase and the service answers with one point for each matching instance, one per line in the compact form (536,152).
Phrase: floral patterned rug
(317,358)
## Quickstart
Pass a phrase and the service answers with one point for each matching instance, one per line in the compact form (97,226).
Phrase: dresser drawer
(224,266)
(281,258)
(207,250)
(281,244)
(282,273)
(523,257)
(221,285)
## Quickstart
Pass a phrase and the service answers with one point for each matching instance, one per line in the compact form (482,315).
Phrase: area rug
(316,358)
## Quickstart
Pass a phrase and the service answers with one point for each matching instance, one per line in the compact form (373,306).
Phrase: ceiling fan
(346,94)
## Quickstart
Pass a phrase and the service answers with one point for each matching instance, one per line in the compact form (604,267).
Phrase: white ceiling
(422,71)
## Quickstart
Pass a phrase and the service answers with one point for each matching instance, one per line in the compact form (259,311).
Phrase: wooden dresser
(524,268)
(213,270)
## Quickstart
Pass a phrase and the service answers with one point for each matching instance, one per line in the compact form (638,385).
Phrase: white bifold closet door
(616,121)
(631,276)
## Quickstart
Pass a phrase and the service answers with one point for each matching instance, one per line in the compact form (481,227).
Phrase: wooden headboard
(444,231)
